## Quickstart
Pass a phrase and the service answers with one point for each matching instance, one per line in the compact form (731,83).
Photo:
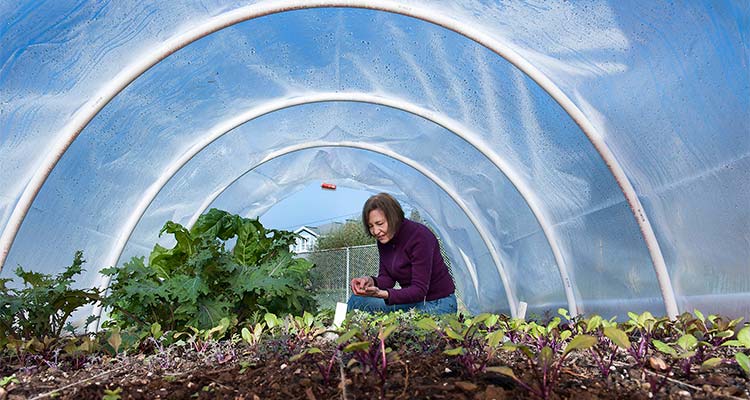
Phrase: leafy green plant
(370,352)
(643,327)
(545,364)
(7,380)
(322,362)
(472,341)
(198,281)
(42,307)
(743,341)
(688,350)
(200,339)
(713,329)
(609,339)
(112,394)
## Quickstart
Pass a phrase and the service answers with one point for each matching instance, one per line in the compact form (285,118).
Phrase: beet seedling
(646,326)
(323,363)
(609,339)
(545,364)
(743,341)
(472,345)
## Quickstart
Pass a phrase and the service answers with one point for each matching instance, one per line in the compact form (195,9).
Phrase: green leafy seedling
(7,380)
(112,394)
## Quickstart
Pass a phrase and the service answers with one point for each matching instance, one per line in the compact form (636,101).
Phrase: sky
(314,206)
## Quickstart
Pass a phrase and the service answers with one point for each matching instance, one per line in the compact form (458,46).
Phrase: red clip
(329,186)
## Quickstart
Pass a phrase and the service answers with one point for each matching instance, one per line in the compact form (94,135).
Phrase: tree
(349,234)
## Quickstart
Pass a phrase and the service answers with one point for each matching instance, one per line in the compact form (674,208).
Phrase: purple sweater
(412,258)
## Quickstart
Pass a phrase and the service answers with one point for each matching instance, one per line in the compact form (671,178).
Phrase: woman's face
(379,226)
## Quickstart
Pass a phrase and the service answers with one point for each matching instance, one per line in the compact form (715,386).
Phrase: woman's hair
(389,206)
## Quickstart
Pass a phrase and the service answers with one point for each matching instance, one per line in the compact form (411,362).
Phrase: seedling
(742,341)
(645,326)
(545,365)
(7,380)
(472,343)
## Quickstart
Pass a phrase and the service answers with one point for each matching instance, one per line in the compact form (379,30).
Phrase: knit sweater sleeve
(419,251)
(383,280)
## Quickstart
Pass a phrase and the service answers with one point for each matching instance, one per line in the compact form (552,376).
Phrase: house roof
(309,229)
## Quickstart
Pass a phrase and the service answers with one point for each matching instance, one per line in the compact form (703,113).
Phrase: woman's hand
(374,291)
(359,285)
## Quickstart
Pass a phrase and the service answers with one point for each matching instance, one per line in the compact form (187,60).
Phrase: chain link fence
(335,268)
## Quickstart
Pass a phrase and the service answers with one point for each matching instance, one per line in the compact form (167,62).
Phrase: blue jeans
(445,305)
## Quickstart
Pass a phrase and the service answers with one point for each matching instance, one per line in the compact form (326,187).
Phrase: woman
(410,255)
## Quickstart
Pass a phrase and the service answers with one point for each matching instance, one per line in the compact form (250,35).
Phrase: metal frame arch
(484,235)
(87,112)
(450,125)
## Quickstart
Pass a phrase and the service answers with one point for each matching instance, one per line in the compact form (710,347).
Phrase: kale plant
(199,281)
(42,307)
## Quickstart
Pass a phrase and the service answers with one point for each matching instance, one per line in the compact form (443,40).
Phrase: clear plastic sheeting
(564,152)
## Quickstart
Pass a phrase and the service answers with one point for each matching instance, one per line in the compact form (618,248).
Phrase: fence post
(346,283)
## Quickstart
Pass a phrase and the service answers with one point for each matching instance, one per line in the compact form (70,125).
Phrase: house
(307,240)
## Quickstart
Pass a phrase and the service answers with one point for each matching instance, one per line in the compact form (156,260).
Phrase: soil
(237,371)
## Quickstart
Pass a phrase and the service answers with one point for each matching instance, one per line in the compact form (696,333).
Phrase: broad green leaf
(453,334)
(617,337)
(7,380)
(565,335)
(510,346)
(710,363)
(725,334)
(455,352)
(156,330)
(699,315)
(744,362)
(494,338)
(502,370)
(311,350)
(553,324)
(687,342)
(633,316)
(546,357)
(215,224)
(645,319)
(491,320)
(580,342)
(593,323)
(734,343)
(248,249)
(563,312)
(384,333)
(743,336)
(357,346)
(272,320)
(427,324)
(664,348)
(480,318)
(308,319)
(347,335)
(247,336)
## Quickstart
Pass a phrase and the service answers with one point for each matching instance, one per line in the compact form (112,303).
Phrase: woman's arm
(420,252)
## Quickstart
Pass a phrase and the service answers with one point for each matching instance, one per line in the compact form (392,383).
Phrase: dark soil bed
(239,372)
